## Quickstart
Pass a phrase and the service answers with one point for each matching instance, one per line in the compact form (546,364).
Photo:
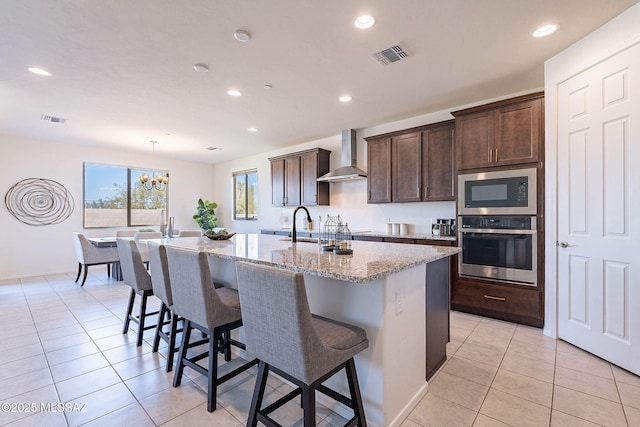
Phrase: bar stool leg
(354,388)
(212,374)
(258,394)
(182,354)
(172,341)
(127,317)
(156,337)
(141,318)
(309,405)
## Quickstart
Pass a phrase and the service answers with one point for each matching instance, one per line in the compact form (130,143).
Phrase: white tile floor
(63,343)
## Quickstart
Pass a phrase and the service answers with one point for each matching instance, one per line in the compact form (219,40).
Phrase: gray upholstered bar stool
(214,312)
(303,348)
(135,275)
(161,284)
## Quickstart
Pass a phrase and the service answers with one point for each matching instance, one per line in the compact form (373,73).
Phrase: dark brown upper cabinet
(406,167)
(415,165)
(438,171)
(293,178)
(379,170)
(501,133)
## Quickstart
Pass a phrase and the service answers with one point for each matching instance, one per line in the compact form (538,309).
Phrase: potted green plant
(206,219)
(206,216)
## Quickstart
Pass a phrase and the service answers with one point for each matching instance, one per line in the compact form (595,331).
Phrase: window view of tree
(114,197)
(245,190)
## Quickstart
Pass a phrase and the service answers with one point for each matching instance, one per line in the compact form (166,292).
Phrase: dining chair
(214,312)
(87,255)
(125,233)
(138,278)
(299,346)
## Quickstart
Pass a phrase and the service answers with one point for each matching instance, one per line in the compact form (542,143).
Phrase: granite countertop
(421,236)
(369,261)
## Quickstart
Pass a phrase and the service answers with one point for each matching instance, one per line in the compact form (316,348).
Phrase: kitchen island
(384,288)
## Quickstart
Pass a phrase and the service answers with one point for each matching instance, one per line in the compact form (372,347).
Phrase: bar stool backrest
(194,296)
(278,322)
(134,273)
(159,267)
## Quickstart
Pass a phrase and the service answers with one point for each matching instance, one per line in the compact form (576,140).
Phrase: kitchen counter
(315,233)
(369,261)
(398,293)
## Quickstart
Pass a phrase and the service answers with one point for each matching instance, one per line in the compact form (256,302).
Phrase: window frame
(130,180)
(245,174)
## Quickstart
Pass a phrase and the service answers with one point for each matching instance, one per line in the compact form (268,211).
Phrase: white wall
(27,250)
(609,39)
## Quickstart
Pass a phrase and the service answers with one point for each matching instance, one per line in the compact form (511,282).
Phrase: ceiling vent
(53,119)
(391,54)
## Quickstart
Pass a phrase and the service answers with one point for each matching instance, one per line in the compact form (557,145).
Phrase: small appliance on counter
(444,227)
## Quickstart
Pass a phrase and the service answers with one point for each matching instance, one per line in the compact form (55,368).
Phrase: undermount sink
(302,240)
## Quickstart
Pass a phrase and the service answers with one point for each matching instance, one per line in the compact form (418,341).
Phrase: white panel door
(599,209)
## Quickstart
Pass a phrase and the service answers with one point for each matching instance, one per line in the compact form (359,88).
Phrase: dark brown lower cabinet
(437,314)
(506,302)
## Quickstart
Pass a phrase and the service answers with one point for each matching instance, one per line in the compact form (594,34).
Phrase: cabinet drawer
(497,298)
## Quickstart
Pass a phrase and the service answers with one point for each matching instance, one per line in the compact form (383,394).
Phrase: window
(114,197)
(245,195)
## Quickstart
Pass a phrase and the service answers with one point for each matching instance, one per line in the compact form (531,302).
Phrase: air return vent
(53,119)
(391,54)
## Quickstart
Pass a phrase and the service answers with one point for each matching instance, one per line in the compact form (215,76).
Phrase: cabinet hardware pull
(495,298)
(426,191)
(491,155)
(496,155)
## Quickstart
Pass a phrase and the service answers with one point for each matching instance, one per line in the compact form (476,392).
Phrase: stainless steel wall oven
(503,248)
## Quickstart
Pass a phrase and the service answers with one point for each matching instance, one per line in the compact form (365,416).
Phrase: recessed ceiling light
(211,148)
(234,92)
(252,129)
(345,98)
(364,21)
(545,30)
(242,35)
(39,71)
(267,87)
(201,68)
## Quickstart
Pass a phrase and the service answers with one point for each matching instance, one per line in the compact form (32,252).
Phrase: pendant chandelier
(154,182)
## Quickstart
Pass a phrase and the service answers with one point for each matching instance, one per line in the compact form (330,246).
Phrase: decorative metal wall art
(39,201)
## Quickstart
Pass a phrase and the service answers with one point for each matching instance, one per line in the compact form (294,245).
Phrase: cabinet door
(474,140)
(406,164)
(379,171)
(277,182)
(518,133)
(438,163)
(292,181)
(313,165)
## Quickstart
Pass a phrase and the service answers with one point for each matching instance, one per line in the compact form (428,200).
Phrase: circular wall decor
(39,201)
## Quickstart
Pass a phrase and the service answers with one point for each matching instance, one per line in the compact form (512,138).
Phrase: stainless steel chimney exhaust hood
(348,171)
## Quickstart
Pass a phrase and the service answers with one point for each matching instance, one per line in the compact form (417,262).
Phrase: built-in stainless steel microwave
(508,192)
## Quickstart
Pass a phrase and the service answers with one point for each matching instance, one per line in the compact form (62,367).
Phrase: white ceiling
(123,70)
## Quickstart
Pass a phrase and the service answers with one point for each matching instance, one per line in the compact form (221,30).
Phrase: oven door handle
(496,231)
